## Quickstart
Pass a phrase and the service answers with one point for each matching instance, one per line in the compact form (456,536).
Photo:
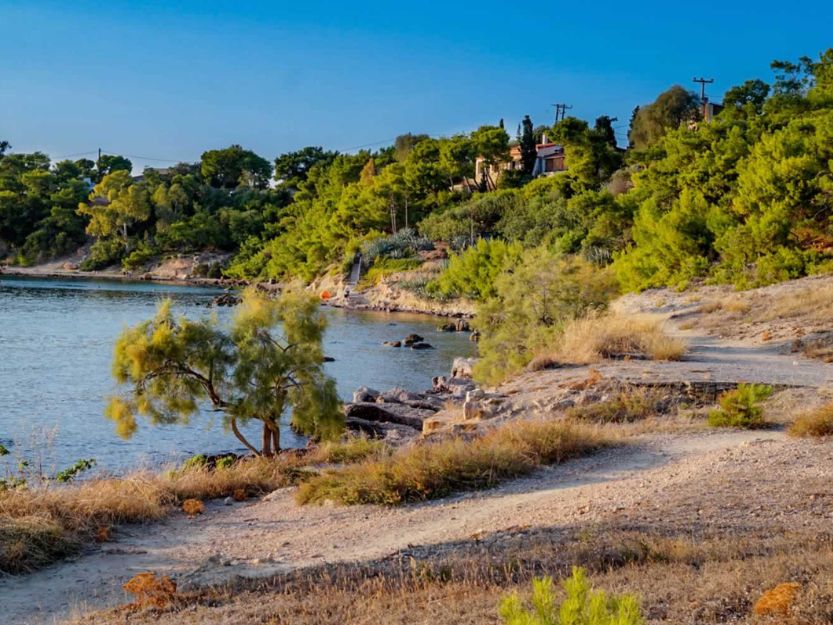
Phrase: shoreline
(54,273)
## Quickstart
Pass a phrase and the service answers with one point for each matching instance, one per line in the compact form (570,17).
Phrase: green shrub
(582,605)
(739,408)
(103,253)
(473,272)
(530,307)
(139,256)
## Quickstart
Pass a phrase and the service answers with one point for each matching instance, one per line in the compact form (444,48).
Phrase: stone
(421,346)
(365,394)
(390,413)
(392,343)
(411,339)
(462,367)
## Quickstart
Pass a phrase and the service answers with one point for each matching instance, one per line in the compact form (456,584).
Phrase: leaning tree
(269,358)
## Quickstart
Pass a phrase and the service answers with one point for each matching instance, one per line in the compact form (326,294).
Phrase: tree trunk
(242,438)
(267,440)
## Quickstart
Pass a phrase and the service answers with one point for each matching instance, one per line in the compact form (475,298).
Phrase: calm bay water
(56,339)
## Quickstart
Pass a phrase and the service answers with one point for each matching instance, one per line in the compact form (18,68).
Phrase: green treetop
(268,359)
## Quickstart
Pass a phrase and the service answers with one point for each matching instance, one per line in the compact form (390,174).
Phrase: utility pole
(561,111)
(703,99)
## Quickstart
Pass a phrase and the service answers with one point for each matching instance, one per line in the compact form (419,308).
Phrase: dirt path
(275,535)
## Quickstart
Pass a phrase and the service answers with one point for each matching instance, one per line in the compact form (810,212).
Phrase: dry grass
(42,524)
(682,579)
(594,338)
(732,305)
(815,423)
(626,406)
(433,470)
(814,303)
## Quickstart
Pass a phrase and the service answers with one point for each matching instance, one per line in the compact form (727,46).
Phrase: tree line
(743,198)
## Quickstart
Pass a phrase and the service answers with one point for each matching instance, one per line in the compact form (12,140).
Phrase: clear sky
(167,80)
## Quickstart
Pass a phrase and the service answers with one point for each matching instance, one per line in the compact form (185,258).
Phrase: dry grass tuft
(594,338)
(777,601)
(193,507)
(150,590)
(433,470)
(626,406)
(815,423)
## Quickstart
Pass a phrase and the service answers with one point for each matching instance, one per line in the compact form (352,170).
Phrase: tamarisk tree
(268,359)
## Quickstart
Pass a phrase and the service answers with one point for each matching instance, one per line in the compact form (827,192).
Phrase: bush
(473,272)
(103,253)
(433,470)
(582,605)
(531,305)
(739,408)
(814,423)
(405,244)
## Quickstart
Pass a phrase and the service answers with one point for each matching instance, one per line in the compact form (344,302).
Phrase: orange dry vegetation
(150,590)
(777,601)
(193,507)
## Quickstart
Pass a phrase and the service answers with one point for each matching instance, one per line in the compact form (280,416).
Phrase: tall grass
(433,470)
(597,337)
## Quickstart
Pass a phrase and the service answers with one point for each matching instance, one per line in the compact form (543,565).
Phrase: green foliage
(405,244)
(581,606)
(4,451)
(739,408)
(234,167)
(70,473)
(473,272)
(247,371)
(671,109)
(529,307)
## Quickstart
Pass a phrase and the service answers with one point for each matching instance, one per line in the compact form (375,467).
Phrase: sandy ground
(735,480)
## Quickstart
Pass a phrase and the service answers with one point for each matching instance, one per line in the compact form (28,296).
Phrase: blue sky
(167,80)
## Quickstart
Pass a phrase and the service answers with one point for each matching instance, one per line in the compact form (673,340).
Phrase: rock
(474,337)
(462,368)
(228,501)
(365,394)
(458,325)
(225,299)
(388,413)
(392,343)
(411,339)
(448,327)
(396,396)
(422,346)
(329,359)
(457,387)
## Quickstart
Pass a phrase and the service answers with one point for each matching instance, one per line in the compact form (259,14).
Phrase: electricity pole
(703,99)
(561,111)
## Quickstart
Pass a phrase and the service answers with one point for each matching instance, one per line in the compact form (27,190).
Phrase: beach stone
(411,339)
(422,346)
(462,368)
(392,343)
(365,394)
